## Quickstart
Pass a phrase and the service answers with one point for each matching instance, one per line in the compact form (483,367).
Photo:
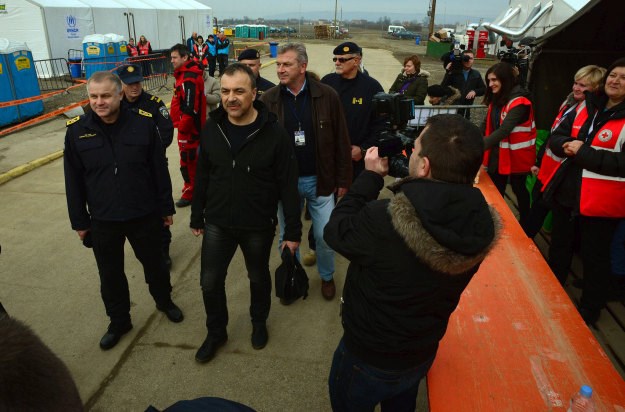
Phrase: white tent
(52,27)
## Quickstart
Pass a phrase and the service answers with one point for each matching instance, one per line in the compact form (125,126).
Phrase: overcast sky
(410,8)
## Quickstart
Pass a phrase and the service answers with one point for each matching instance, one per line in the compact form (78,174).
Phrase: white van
(393,29)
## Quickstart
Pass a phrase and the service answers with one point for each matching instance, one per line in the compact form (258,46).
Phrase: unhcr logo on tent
(71,24)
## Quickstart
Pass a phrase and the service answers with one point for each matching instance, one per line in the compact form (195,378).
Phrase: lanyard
(555,126)
(293,108)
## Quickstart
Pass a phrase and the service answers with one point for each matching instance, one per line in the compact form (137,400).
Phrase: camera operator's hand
(374,163)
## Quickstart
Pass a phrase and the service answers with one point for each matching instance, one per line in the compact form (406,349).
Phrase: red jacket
(144,49)
(200,53)
(550,162)
(603,195)
(517,151)
(132,50)
(188,105)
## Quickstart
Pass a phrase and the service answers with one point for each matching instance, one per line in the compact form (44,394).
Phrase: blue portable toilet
(94,47)
(18,80)
(118,43)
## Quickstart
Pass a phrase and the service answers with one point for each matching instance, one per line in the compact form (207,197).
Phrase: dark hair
(506,75)
(454,146)
(32,377)
(240,67)
(182,50)
(617,63)
(415,60)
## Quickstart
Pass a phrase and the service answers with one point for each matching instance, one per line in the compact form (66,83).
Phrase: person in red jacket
(144,46)
(188,112)
(510,134)
(200,52)
(131,48)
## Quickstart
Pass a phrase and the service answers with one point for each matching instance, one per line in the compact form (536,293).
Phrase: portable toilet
(18,80)
(111,51)
(94,53)
(119,43)
(253,34)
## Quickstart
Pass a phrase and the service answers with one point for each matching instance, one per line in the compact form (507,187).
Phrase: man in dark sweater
(410,259)
(468,80)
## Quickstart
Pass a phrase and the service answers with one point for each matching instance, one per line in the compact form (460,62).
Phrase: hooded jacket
(417,89)
(410,259)
(188,105)
(243,191)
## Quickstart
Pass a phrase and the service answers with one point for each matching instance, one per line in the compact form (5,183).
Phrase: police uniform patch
(87,135)
(72,121)
(164,112)
(156,99)
(144,113)
(605,135)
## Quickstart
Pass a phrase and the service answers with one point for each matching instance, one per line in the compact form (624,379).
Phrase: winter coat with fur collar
(410,259)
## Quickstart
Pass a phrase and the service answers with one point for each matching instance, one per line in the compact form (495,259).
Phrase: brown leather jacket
(334,155)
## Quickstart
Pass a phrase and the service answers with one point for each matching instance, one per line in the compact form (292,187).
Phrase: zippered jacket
(243,191)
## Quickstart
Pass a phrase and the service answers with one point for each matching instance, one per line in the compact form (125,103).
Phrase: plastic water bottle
(582,401)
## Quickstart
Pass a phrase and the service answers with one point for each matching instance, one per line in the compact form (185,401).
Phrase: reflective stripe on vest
(144,49)
(601,195)
(550,162)
(517,151)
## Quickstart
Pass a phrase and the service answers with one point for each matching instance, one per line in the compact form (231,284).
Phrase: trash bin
(74,67)
(417,39)
(273,48)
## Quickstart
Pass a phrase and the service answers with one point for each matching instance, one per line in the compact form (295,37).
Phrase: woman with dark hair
(144,46)
(510,134)
(200,52)
(412,81)
(597,159)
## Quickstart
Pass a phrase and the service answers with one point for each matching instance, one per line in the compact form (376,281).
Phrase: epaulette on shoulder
(144,113)
(156,99)
(72,121)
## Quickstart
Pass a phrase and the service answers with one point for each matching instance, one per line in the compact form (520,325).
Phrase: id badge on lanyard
(300,138)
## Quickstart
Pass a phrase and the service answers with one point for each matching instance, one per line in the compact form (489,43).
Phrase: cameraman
(411,258)
(466,79)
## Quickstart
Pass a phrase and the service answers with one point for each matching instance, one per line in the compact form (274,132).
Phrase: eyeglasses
(342,59)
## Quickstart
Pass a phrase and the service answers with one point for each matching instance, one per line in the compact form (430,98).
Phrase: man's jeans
(357,386)
(218,247)
(320,208)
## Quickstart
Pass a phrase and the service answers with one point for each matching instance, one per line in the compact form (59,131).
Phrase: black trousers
(212,63)
(564,235)
(596,240)
(218,247)
(517,181)
(538,212)
(222,59)
(144,235)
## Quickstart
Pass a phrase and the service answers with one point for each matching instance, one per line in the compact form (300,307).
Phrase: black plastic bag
(291,279)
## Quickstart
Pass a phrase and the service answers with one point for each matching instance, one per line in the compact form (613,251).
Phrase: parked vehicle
(393,29)
(404,34)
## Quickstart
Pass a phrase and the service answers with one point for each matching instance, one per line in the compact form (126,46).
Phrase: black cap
(346,48)
(130,73)
(437,90)
(249,54)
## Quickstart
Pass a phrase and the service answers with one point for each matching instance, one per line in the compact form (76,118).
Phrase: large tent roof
(135,4)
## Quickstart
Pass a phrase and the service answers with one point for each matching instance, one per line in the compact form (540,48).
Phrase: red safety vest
(550,162)
(133,50)
(144,49)
(517,151)
(601,195)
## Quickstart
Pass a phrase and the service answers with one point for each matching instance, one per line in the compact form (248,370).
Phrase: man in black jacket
(137,98)
(411,258)
(251,58)
(246,166)
(118,187)
(468,80)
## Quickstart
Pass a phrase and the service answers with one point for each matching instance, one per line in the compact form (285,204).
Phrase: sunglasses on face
(342,59)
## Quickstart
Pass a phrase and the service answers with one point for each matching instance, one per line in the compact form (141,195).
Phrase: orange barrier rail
(42,118)
(40,97)
(516,341)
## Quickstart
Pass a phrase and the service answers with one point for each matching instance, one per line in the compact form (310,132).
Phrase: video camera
(397,136)
(518,57)
(456,57)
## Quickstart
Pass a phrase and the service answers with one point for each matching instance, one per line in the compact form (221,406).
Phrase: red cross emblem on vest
(605,135)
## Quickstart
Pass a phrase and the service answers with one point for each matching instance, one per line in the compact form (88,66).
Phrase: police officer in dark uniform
(356,91)
(118,187)
(251,58)
(136,98)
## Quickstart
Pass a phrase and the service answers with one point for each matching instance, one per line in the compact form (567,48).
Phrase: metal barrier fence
(155,68)
(52,74)
(475,113)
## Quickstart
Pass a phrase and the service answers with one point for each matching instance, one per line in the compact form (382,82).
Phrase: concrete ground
(49,281)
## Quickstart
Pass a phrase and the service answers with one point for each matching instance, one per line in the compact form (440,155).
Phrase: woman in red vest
(598,158)
(510,134)
(200,52)
(561,195)
(144,46)
(131,48)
